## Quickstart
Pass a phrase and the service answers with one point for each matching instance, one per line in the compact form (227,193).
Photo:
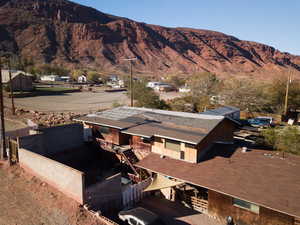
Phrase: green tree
(146,97)
(245,94)
(203,86)
(177,81)
(93,76)
(283,139)
(275,95)
(76,73)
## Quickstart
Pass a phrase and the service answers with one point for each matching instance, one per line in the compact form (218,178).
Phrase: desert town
(200,168)
(110,121)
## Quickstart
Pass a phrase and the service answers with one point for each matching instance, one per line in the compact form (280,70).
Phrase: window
(104,130)
(246,205)
(173,145)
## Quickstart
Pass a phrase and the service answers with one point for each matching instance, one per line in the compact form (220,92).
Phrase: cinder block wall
(60,176)
(33,143)
(61,138)
(54,140)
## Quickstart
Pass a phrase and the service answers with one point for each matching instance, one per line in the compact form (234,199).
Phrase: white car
(140,216)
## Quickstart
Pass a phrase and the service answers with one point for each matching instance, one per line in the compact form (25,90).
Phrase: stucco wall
(221,206)
(62,177)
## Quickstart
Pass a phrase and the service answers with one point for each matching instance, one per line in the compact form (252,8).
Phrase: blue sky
(272,22)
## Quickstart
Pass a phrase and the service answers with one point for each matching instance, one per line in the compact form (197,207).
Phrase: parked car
(140,216)
(262,121)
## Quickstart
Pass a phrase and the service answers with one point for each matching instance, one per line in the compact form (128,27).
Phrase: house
(192,160)
(65,78)
(179,135)
(160,86)
(152,84)
(51,78)
(20,80)
(82,79)
(163,87)
(184,89)
(227,111)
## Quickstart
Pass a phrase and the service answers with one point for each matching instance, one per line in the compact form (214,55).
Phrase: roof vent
(244,149)
(162,156)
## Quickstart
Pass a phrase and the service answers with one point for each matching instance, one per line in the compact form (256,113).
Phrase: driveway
(175,214)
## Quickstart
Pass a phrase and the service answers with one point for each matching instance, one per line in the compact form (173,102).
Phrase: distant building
(20,80)
(227,111)
(51,78)
(82,79)
(184,89)
(65,78)
(153,84)
(164,87)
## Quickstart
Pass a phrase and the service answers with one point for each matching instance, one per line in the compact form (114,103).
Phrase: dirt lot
(25,200)
(79,102)
(13,125)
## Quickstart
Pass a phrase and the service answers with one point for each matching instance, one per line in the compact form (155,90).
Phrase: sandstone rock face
(65,33)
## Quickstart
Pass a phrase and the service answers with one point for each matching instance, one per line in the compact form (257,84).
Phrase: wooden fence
(132,194)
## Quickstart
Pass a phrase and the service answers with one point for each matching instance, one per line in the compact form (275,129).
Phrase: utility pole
(289,80)
(2,133)
(131,80)
(11,88)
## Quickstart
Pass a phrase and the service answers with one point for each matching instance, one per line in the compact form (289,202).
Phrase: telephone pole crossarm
(131,80)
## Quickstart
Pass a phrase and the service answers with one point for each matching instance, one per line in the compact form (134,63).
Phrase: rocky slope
(62,32)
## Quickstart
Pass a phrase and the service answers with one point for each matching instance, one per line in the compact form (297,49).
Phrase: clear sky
(272,22)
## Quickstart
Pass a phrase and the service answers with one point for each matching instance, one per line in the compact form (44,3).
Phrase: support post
(3,154)
(11,89)
(131,85)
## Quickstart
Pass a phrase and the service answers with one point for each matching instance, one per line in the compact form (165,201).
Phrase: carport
(173,213)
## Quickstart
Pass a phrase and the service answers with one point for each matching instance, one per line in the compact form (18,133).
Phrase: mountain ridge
(72,35)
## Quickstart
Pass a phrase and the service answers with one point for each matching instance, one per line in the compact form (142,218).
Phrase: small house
(82,79)
(21,81)
(50,78)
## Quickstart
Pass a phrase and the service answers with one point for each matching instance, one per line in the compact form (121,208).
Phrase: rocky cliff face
(62,32)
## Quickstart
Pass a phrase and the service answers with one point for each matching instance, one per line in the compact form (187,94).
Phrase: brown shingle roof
(269,181)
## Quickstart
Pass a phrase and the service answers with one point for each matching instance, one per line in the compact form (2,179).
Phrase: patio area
(176,214)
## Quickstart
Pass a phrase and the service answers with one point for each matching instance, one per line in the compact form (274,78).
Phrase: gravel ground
(11,125)
(79,102)
(25,200)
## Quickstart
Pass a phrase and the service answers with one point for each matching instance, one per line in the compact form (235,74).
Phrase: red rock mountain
(69,34)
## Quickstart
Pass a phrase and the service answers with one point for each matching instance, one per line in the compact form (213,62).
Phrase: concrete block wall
(60,176)
(33,143)
(61,138)
(54,140)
